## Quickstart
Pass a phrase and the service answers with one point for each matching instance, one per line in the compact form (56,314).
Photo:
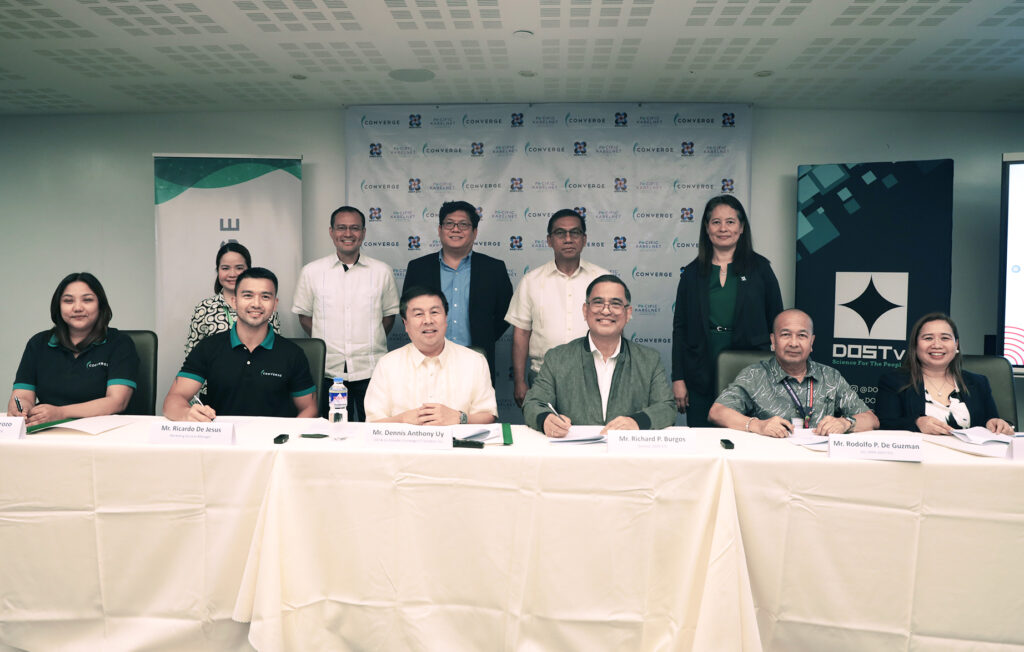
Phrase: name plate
(1017,448)
(401,435)
(877,446)
(668,441)
(12,428)
(191,432)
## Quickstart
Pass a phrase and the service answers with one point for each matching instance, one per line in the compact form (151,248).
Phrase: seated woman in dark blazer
(932,394)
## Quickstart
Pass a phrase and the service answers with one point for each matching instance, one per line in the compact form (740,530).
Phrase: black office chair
(731,363)
(143,400)
(316,355)
(1000,377)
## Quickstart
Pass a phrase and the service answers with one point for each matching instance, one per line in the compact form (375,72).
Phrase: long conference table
(108,542)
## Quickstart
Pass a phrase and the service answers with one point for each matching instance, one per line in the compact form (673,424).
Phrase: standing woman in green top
(217,314)
(727,298)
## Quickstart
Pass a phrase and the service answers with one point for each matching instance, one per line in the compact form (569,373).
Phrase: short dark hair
(228,247)
(450,207)
(609,278)
(257,272)
(348,209)
(60,327)
(420,291)
(743,257)
(567,212)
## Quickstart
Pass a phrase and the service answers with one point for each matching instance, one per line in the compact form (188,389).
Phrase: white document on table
(90,425)
(805,437)
(981,435)
(582,435)
(983,450)
(477,432)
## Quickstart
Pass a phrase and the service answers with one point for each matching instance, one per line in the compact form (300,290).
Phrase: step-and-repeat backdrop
(639,173)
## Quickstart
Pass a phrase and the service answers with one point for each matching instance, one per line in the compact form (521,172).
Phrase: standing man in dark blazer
(476,285)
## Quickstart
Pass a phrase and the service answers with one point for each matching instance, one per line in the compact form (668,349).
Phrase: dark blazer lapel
(742,292)
(591,392)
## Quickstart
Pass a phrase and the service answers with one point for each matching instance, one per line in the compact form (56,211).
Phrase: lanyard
(806,414)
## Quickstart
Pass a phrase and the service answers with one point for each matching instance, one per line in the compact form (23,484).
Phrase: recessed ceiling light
(523,34)
(763,73)
(411,74)
(527,73)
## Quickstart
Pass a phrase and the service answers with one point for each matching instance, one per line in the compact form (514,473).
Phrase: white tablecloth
(110,543)
(526,547)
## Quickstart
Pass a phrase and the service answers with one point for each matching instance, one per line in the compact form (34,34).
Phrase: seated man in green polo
(248,370)
(602,378)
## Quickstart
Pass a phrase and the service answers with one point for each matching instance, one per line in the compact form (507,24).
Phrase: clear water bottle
(337,402)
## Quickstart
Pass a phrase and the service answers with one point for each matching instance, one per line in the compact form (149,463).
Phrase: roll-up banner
(639,173)
(874,247)
(203,201)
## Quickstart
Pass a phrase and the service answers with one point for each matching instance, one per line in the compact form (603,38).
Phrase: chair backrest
(144,398)
(316,355)
(1000,377)
(731,363)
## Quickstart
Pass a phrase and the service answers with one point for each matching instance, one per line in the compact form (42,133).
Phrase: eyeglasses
(597,304)
(342,228)
(575,234)
(457,226)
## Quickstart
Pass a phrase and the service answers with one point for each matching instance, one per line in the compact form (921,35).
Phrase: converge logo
(645,215)
(364,186)
(529,148)
(571,119)
(430,150)
(692,120)
(646,273)
(468,121)
(365,122)
(571,184)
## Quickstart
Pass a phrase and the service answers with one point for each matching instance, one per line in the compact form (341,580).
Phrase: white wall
(76,193)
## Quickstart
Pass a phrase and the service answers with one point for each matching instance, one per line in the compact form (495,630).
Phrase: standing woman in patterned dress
(217,314)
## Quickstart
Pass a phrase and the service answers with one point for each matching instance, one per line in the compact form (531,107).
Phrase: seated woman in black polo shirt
(80,367)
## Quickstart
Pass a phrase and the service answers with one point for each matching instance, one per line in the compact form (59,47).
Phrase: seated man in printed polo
(601,378)
(767,397)
(247,370)
(430,381)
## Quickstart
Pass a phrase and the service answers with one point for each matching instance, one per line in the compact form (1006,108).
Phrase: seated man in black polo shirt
(247,370)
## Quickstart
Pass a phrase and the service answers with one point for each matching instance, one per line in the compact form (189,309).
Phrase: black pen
(18,403)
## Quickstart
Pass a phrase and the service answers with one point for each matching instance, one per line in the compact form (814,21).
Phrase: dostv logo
(686,147)
(871,305)
(414,242)
(515,243)
(375,214)
(415,121)
(620,184)
(515,184)
(619,243)
(621,119)
(375,150)
(581,210)
(728,186)
(476,149)
(728,119)
(516,120)
(579,148)
(415,185)
(686,215)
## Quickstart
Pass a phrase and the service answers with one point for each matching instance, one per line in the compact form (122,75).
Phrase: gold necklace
(939,392)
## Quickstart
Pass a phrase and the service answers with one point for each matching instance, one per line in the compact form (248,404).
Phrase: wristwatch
(853,424)
(463,417)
